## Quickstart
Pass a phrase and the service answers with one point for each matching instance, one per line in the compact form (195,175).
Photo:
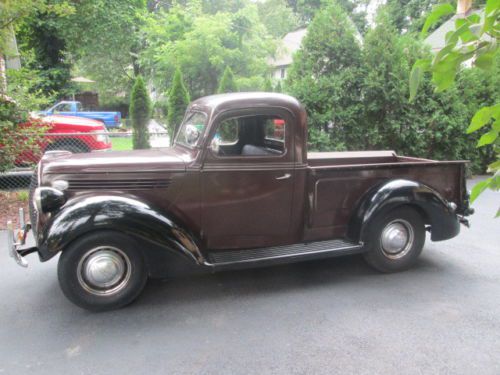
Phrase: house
(437,39)
(291,43)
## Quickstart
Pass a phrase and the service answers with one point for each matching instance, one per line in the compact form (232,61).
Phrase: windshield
(192,129)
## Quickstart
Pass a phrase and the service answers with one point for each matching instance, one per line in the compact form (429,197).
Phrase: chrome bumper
(15,242)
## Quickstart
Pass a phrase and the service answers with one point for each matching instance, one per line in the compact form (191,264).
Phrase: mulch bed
(10,202)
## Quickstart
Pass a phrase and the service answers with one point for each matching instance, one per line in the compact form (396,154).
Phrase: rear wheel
(102,271)
(395,240)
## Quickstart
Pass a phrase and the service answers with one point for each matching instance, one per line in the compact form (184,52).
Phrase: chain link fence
(17,178)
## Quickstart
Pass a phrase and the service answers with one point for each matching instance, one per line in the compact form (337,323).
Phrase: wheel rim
(104,270)
(397,239)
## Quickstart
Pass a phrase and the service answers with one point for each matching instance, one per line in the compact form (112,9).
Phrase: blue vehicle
(73,108)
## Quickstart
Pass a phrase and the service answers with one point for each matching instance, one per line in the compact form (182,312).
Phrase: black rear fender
(435,210)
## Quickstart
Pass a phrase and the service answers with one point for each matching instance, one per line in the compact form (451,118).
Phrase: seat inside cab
(258,135)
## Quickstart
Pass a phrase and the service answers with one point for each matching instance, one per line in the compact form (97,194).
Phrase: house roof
(437,38)
(290,44)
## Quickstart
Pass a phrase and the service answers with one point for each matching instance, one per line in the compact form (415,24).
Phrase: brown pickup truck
(237,189)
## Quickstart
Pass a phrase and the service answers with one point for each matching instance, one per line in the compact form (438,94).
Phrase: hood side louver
(118,184)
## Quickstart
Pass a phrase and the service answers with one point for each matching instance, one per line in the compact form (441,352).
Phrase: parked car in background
(68,133)
(74,108)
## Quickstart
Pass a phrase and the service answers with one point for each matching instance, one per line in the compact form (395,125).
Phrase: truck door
(248,180)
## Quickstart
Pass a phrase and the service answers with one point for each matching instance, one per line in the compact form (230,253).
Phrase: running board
(288,253)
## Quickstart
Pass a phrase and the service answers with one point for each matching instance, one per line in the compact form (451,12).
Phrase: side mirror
(192,134)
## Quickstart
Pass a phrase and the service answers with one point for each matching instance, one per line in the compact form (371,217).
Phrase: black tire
(398,255)
(75,259)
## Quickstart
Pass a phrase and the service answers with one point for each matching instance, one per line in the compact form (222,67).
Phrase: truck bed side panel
(333,193)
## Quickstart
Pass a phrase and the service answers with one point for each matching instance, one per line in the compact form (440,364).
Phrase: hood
(73,120)
(153,160)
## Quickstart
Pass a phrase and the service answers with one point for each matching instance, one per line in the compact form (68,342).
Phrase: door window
(246,136)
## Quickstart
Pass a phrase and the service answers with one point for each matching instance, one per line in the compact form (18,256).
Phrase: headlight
(48,199)
(101,136)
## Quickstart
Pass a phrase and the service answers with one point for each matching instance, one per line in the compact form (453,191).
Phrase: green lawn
(121,144)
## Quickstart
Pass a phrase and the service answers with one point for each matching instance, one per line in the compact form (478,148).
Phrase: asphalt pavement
(334,316)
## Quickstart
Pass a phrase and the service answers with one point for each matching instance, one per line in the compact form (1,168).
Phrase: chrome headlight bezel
(48,199)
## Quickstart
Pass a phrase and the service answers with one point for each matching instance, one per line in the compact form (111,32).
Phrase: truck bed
(338,180)
(333,159)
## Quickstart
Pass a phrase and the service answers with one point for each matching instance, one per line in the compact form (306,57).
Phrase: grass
(121,143)
(23,195)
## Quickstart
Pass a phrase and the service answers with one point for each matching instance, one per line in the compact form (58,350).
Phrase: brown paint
(238,202)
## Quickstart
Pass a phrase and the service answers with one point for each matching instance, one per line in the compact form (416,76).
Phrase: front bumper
(17,239)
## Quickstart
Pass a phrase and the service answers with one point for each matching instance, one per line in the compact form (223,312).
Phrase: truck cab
(237,189)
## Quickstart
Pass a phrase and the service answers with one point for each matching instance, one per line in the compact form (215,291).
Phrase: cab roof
(223,102)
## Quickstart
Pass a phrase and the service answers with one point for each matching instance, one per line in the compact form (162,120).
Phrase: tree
(178,100)
(278,17)
(326,77)
(105,40)
(40,34)
(140,114)
(268,85)
(227,83)
(474,39)
(409,15)
(278,87)
(433,125)
(203,45)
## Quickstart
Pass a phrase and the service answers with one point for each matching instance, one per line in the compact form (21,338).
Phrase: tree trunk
(3,77)
(463,6)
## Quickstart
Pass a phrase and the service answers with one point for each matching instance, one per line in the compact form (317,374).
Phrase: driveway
(321,317)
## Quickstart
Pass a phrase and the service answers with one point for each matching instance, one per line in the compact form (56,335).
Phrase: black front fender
(123,214)
(387,196)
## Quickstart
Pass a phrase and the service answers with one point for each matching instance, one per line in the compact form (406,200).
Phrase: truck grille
(119,184)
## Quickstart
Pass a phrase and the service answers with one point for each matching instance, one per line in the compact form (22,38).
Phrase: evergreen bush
(140,114)
(227,82)
(178,100)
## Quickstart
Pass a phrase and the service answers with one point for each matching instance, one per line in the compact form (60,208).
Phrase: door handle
(284,177)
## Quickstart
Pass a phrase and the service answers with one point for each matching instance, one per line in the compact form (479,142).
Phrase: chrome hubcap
(397,239)
(104,270)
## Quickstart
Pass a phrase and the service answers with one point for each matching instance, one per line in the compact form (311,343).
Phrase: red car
(69,133)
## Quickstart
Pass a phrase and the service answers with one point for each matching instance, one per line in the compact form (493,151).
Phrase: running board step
(303,250)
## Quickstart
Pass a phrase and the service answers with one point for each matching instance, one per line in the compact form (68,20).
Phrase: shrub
(268,85)
(178,100)
(18,133)
(227,83)
(326,77)
(140,114)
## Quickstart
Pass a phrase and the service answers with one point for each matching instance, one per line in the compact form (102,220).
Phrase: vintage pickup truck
(237,189)
(74,108)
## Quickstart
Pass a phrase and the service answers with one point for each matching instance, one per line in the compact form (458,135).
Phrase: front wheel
(395,240)
(102,271)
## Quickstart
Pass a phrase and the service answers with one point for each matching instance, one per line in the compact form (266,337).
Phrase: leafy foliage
(277,17)
(203,45)
(178,100)
(475,39)
(140,114)
(268,85)
(326,77)
(18,132)
(227,83)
